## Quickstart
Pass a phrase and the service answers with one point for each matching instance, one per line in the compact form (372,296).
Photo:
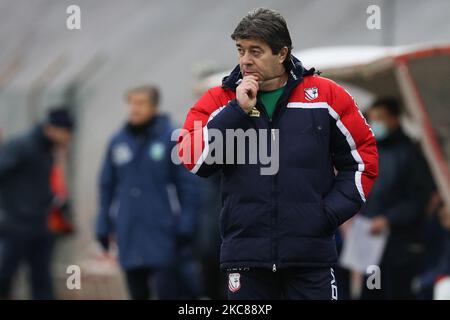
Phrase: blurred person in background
(442,280)
(26,163)
(434,241)
(398,202)
(208,239)
(439,268)
(137,207)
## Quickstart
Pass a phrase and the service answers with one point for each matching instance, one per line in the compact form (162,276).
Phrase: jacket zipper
(276,115)
(261,107)
(274,207)
(281,101)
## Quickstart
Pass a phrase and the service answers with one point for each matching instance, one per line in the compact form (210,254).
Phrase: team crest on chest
(234,282)
(311,93)
(157,151)
(121,154)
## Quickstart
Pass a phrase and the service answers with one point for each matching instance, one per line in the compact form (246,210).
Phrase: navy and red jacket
(328,163)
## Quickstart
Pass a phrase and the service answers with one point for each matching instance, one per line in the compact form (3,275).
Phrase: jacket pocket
(303,219)
(330,225)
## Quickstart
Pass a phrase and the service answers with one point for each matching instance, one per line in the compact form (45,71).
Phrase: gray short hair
(152,92)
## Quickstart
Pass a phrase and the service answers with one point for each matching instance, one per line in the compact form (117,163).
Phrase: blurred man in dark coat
(397,202)
(25,198)
(138,183)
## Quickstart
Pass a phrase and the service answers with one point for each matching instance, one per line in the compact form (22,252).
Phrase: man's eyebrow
(251,47)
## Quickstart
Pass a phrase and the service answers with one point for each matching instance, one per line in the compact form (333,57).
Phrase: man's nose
(246,59)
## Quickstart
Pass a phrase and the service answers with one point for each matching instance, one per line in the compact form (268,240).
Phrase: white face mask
(379,129)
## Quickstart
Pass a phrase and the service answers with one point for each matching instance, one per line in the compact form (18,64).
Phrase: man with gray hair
(154,237)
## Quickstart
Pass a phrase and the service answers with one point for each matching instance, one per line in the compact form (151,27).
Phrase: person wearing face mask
(397,202)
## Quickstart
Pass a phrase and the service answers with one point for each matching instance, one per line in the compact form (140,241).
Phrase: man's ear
(282,55)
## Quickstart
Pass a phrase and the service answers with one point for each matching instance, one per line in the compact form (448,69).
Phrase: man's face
(256,58)
(59,136)
(140,108)
(379,114)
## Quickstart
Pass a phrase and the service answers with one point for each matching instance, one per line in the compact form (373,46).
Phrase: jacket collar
(155,127)
(295,69)
(397,136)
(43,141)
